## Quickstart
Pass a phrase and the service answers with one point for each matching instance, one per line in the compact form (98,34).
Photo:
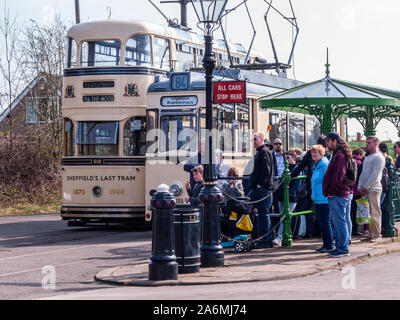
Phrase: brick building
(31,107)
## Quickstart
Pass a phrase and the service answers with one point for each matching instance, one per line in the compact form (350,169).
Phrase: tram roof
(256,83)
(124,29)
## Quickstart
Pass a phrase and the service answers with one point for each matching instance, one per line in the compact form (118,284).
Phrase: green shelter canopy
(329,98)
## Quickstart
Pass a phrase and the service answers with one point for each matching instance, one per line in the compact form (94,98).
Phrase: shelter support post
(369,129)
(287,236)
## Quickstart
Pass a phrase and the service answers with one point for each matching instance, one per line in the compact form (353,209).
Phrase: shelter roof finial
(327,65)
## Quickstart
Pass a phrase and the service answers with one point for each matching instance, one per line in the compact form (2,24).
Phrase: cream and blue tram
(176,122)
(109,67)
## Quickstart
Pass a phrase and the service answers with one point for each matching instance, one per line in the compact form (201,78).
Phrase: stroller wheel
(240,247)
(249,246)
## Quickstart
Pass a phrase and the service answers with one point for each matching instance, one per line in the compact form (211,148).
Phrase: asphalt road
(39,250)
(376,279)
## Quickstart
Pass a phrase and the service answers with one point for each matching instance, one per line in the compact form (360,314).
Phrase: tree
(9,64)
(43,51)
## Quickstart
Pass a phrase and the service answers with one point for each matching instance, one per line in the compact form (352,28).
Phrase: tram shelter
(329,99)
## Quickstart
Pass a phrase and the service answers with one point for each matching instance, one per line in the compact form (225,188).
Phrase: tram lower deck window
(95,138)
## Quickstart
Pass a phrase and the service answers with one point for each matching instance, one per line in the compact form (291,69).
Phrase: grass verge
(27,207)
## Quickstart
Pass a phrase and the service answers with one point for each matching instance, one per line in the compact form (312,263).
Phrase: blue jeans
(263,219)
(348,216)
(338,208)
(325,222)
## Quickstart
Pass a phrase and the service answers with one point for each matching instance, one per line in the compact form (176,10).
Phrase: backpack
(385,181)
(350,177)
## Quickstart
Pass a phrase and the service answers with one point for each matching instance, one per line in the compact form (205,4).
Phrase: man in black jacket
(261,182)
(306,166)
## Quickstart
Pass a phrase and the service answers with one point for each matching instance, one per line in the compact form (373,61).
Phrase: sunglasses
(277,144)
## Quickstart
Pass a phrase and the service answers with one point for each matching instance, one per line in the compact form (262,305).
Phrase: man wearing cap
(336,189)
(268,144)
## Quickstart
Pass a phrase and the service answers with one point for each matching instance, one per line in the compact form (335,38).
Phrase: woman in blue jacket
(320,201)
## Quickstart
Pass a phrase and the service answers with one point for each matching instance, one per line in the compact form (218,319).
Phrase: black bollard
(163,265)
(211,253)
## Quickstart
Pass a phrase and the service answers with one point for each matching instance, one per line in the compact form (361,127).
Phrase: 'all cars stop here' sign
(229,92)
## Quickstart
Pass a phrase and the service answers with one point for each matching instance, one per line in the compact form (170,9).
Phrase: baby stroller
(238,225)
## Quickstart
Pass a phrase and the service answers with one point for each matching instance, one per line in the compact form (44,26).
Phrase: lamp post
(211,255)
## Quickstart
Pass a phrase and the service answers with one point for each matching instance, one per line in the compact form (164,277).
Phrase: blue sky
(360,34)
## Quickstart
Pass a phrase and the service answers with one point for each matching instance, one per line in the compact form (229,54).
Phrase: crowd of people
(336,177)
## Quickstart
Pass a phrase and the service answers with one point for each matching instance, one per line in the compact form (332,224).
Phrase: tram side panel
(99,192)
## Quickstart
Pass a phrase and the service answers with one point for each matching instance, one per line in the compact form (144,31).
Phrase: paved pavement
(276,263)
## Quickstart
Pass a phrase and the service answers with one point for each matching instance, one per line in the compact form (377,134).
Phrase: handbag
(363,215)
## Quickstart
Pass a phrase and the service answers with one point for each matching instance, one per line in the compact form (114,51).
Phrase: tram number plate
(104,98)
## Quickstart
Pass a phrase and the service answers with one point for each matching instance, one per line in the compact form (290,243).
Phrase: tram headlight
(97,191)
(176,188)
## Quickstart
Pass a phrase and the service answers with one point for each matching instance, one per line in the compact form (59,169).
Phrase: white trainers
(276,242)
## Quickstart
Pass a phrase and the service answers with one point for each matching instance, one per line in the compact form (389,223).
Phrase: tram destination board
(229,92)
(98,84)
(98,98)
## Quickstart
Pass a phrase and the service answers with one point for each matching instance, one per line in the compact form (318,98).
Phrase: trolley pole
(287,230)
(77,12)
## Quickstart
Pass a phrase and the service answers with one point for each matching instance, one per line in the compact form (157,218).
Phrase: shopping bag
(245,223)
(363,215)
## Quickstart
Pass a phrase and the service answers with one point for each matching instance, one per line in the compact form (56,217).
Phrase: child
(199,184)
(232,187)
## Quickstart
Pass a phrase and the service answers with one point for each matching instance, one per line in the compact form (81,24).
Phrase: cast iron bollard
(187,238)
(211,253)
(163,265)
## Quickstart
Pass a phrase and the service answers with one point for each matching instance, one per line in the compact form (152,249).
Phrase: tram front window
(179,133)
(97,138)
(100,53)
(135,137)
(68,138)
(138,51)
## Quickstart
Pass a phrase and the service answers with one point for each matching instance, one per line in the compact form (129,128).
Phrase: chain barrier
(255,201)
(259,238)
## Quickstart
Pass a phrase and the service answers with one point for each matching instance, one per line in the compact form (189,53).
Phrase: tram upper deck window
(97,138)
(179,133)
(135,137)
(100,53)
(138,51)
(161,53)
(184,56)
(70,56)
